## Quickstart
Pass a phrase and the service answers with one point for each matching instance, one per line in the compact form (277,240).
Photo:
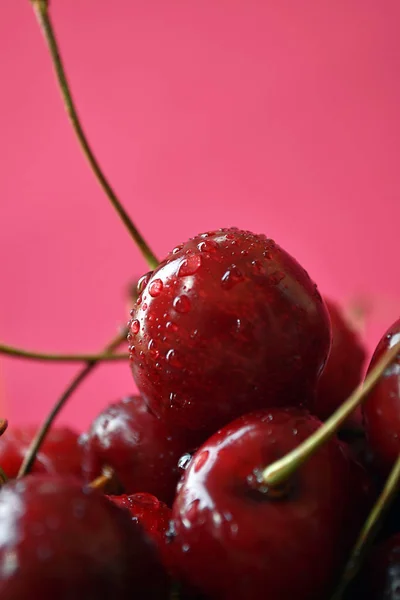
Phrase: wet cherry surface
(60,453)
(234,538)
(379,578)
(227,323)
(142,449)
(57,541)
(381,410)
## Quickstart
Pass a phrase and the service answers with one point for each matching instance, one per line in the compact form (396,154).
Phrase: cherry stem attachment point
(103,480)
(276,473)
(75,383)
(41,8)
(44,356)
(368,532)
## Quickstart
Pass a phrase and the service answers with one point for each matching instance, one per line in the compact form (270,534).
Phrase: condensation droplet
(170,326)
(143,281)
(207,246)
(173,358)
(231,277)
(134,327)
(152,346)
(155,288)
(182,304)
(189,265)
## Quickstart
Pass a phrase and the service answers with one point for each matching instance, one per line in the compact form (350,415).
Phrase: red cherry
(381,410)
(234,537)
(151,514)
(379,578)
(60,453)
(227,323)
(143,451)
(61,542)
(343,369)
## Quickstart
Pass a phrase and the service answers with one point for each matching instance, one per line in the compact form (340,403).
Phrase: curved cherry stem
(369,530)
(101,482)
(41,8)
(44,356)
(277,473)
(42,432)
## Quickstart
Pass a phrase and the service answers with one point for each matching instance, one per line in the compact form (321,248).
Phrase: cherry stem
(276,473)
(74,384)
(44,356)
(41,8)
(100,482)
(370,529)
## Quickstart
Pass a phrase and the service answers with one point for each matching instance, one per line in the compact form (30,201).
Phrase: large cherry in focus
(58,541)
(142,449)
(381,410)
(235,538)
(229,322)
(343,369)
(59,454)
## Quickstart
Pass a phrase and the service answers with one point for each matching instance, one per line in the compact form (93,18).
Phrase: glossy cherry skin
(59,454)
(234,538)
(58,541)
(142,449)
(151,514)
(344,368)
(379,578)
(381,410)
(228,323)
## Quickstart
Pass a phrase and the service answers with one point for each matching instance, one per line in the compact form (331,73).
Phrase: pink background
(279,116)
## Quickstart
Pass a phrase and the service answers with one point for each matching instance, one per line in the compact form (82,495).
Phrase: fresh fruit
(227,323)
(381,410)
(60,453)
(59,541)
(142,450)
(235,537)
(380,577)
(343,370)
(151,514)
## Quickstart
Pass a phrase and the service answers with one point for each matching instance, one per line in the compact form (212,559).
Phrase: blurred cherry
(58,541)
(381,410)
(142,449)
(59,454)
(344,367)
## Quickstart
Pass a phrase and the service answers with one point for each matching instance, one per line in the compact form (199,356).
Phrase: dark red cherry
(58,541)
(228,322)
(379,578)
(59,454)
(344,367)
(142,449)
(381,410)
(151,514)
(234,537)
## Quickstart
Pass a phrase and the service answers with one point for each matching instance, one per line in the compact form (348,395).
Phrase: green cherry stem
(74,384)
(41,8)
(369,530)
(279,471)
(3,427)
(44,356)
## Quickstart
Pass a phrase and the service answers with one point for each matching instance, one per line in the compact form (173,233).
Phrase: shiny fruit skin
(344,368)
(227,323)
(58,541)
(233,539)
(60,453)
(142,449)
(381,410)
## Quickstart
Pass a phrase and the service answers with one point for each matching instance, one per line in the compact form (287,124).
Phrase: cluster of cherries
(220,480)
(228,340)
